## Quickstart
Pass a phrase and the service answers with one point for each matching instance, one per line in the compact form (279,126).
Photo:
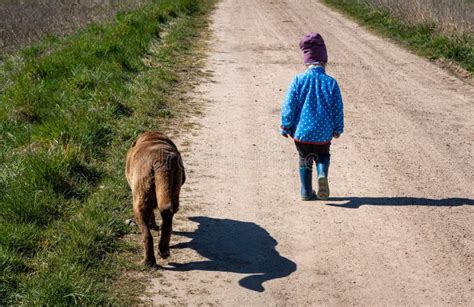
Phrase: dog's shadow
(238,247)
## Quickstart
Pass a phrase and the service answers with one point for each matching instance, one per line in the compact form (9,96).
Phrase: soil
(399,227)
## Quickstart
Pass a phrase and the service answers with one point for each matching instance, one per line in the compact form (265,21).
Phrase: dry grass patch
(25,22)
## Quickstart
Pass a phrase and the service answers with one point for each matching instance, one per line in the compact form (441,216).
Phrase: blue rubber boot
(322,166)
(307,192)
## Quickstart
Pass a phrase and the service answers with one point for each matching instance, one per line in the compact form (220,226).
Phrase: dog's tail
(168,184)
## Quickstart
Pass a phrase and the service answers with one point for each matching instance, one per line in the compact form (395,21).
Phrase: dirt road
(400,227)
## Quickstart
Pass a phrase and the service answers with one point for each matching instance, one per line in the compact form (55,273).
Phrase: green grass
(425,39)
(69,111)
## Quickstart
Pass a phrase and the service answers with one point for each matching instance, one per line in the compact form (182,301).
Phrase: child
(312,114)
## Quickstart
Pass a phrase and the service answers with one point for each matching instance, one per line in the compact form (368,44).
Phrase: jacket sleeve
(337,109)
(289,108)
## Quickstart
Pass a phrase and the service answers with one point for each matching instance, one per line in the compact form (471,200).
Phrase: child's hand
(284,132)
(336,135)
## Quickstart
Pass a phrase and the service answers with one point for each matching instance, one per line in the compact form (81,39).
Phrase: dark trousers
(309,153)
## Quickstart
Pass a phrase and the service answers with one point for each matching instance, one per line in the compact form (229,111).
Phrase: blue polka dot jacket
(313,109)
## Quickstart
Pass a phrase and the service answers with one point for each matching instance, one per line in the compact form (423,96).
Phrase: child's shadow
(238,247)
(356,202)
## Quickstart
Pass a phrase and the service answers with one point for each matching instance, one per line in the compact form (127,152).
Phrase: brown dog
(155,173)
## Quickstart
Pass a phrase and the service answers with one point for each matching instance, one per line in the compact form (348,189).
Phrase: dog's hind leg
(142,218)
(167,226)
(166,229)
(163,187)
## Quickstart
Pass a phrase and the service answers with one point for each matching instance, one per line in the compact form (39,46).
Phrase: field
(454,17)
(25,22)
(439,30)
(70,108)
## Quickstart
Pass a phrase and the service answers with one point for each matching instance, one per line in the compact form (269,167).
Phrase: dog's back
(154,168)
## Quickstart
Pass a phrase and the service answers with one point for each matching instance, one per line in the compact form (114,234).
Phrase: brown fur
(155,173)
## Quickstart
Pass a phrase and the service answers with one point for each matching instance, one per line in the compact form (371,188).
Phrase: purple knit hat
(314,49)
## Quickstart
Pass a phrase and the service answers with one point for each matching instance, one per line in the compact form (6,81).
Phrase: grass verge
(69,111)
(424,39)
